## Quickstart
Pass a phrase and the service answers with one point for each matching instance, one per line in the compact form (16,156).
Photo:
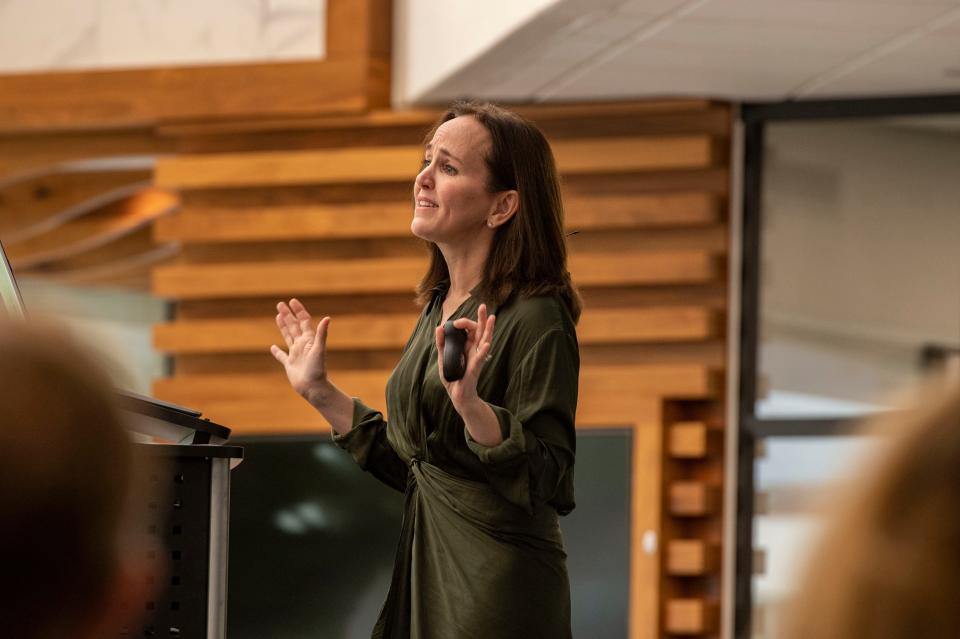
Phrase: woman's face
(452,202)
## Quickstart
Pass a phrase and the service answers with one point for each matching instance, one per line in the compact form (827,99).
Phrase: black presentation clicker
(454,362)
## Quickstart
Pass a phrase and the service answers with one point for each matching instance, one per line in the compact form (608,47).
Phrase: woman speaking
(485,461)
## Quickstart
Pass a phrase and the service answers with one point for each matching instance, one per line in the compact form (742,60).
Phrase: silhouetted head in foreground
(70,566)
(889,566)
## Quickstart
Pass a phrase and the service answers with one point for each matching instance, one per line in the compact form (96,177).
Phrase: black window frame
(754,117)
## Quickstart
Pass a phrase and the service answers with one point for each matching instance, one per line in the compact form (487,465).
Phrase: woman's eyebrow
(445,152)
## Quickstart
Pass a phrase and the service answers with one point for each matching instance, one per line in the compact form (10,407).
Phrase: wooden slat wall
(271,211)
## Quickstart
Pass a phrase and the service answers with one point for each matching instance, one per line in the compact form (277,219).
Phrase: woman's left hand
(463,392)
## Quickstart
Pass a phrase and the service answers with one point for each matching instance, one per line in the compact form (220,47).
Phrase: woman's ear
(506,207)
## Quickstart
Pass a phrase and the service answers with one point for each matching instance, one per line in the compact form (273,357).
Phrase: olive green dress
(480,551)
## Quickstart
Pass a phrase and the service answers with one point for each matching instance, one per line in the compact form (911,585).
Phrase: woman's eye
(424,164)
(449,170)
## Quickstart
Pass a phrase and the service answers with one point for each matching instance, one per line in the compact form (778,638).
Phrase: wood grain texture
(390,331)
(391,275)
(246,402)
(645,519)
(693,498)
(304,221)
(692,557)
(688,440)
(400,163)
(691,617)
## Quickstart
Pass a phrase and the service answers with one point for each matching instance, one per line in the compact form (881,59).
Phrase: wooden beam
(140,97)
(390,331)
(645,528)
(691,617)
(391,275)
(390,164)
(692,557)
(693,499)
(688,440)
(265,403)
(300,222)
(648,116)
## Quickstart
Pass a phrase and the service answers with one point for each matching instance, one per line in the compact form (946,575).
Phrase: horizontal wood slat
(400,163)
(142,96)
(692,557)
(347,332)
(392,219)
(693,499)
(624,154)
(390,275)
(609,396)
(408,127)
(596,113)
(691,617)
(390,331)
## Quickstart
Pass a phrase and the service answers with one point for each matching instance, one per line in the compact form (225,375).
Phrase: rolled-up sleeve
(366,441)
(534,462)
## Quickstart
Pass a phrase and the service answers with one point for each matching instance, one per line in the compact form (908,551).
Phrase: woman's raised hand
(305,359)
(476,350)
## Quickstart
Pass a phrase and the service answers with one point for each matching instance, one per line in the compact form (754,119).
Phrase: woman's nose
(425,177)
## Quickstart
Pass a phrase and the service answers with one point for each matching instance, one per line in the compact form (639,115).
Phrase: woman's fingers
(481,322)
(289,320)
(321,334)
(466,324)
(278,353)
(282,325)
(299,310)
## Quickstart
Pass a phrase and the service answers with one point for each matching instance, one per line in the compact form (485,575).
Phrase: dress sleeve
(534,462)
(367,442)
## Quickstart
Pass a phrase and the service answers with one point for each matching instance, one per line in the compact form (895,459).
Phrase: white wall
(432,40)
(58,35)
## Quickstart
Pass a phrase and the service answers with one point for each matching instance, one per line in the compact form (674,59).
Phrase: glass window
(860,271)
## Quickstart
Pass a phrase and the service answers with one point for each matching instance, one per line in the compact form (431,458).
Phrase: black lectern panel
(186,541)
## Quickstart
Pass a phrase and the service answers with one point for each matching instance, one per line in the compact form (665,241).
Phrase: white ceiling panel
(696,33)
(923,66)
(611,27)
(661,83)
(830,15)
(734,49)
(795,64)
(654,7)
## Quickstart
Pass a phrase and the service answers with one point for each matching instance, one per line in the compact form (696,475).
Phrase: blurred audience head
(70,566)
(889,564)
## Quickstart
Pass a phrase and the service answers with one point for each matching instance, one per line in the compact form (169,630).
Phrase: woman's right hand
(305,359)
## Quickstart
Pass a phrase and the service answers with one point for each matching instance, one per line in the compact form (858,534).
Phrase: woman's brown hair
(889,568)
(529,252)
